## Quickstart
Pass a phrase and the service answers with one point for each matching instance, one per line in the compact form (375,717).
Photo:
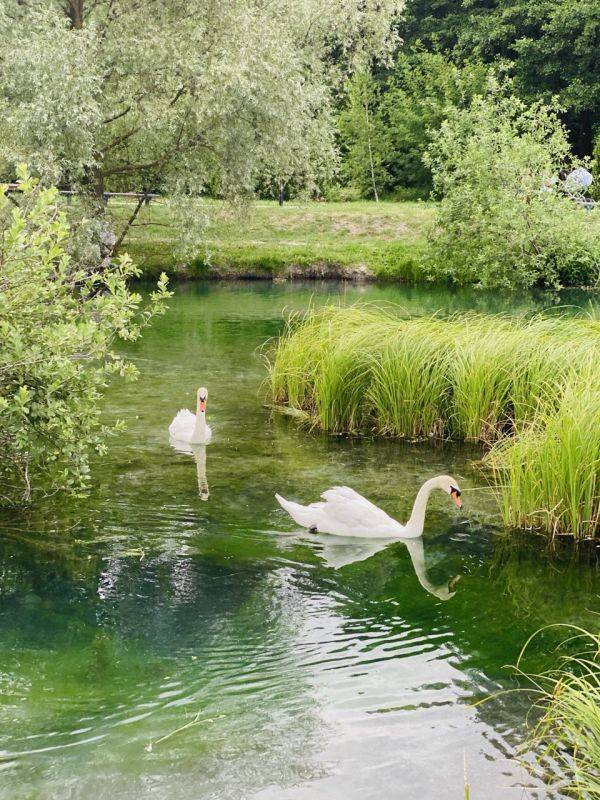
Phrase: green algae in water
(313,667)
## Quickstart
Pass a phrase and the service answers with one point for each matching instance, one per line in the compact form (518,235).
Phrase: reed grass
(550,472)
(528,388)
(568,732)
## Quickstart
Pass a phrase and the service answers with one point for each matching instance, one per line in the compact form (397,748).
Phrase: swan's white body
(347,513)
(191,428)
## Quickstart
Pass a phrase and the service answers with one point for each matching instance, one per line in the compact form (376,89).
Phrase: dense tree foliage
(503,219)
(549,49)
(389,120)
(180,95)
(552,47)
(58,325)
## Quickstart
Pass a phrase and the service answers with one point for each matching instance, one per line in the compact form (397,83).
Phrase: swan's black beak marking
(455,495)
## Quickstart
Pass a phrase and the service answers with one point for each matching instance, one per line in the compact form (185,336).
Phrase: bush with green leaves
(58,324)
(503,220)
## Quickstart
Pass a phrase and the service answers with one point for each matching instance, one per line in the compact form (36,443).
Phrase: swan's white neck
(415,524)
(199,433)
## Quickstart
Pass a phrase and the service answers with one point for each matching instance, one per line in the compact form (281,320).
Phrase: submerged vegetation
(527,388)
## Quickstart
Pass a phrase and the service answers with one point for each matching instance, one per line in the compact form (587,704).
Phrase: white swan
(347,513)
(189,428)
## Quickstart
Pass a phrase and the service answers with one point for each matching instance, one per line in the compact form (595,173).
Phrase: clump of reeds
(485,378)
(568,732)
(470,376)
(549,473)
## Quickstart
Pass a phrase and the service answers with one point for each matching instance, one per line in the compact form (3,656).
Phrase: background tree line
(549,50)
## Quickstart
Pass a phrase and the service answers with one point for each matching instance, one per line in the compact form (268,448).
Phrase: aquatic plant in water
(568,731)
(549,473)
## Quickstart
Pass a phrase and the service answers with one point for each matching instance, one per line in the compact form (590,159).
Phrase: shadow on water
(309,668)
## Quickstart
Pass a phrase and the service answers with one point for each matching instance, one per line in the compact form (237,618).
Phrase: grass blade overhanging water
(483,378)
(567,734)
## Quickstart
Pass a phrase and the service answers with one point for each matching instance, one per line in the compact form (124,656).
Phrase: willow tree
(180,95)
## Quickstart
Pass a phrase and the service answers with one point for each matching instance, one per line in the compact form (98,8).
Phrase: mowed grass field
(368,239)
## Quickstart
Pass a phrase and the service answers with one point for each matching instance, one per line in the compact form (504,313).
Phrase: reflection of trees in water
(155,596)
(119,624)
(548,583)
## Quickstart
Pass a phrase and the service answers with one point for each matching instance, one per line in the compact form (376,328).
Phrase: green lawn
(265,240)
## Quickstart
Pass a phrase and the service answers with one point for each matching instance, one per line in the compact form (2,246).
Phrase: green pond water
(157,645)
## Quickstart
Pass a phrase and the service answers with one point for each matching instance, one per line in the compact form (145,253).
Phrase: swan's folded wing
(352,509)
(343,494)
(183,421)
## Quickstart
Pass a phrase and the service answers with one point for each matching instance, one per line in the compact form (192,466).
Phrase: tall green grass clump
(568,732)
(470,376)
(527,388)
(549,473)
(409,391)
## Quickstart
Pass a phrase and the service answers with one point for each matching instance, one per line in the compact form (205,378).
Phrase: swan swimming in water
(189,428)
(347,513)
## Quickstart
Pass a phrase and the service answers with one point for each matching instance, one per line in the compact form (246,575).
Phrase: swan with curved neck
(192,428)
(344,512)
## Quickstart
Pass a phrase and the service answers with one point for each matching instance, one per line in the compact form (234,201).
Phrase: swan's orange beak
(456,497)
(202,405)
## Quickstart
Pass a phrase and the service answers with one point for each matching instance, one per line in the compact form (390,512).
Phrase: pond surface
(156,645)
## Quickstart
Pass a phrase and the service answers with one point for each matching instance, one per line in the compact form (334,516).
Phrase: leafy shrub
(58,323)
(503,221)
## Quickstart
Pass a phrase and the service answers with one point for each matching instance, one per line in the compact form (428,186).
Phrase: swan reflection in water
(198,451)
(339,551)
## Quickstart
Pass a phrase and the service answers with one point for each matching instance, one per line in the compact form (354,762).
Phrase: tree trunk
(584,145)
(74,9)
(371,164)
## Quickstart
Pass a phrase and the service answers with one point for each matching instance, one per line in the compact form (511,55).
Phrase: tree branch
(130,222)
(120,139)
(116,116)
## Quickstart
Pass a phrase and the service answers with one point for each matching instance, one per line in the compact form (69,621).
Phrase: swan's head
(450,485)
(202,398)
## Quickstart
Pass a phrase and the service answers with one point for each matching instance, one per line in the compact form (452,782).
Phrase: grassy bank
(528,388)
(362,239)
